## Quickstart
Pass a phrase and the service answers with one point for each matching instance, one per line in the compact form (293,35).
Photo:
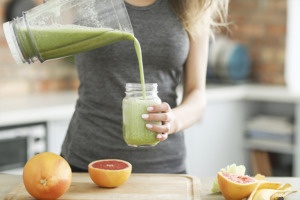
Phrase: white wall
(292,64)
(57,130)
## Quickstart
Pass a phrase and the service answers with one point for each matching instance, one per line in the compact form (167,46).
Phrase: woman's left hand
(160,112)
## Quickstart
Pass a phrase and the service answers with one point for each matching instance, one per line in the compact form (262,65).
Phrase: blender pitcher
(60,28)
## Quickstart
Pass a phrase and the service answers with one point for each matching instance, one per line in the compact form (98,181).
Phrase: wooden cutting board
(137,187)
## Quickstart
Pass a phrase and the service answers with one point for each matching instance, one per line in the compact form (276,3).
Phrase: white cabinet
(217,139)
(56,133)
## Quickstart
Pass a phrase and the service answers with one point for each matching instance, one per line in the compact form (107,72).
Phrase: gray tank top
(95,131)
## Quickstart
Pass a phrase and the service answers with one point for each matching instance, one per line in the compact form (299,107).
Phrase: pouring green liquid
(58,41)
(64,40)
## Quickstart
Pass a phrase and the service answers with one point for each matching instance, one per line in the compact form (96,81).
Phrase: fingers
(161,112)
(157,117)
(165,128)
(163,107)
(162,130)
(162,136)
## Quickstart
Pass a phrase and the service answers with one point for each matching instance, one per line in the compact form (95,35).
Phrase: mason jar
(134,106)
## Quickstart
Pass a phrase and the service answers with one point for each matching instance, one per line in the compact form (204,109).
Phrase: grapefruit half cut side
(109,172)
(236,187)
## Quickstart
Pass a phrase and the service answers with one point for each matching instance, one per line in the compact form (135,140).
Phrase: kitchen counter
(8,182)
(37,108)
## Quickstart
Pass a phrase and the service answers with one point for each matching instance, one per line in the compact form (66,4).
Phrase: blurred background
(260,27)
(253,112)
(34,78)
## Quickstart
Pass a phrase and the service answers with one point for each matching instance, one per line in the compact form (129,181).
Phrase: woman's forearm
(190,110)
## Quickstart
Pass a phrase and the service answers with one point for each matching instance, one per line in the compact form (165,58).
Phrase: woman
(174,37)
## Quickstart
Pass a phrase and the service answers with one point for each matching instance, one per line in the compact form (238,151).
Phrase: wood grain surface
(137,187)
(10,183)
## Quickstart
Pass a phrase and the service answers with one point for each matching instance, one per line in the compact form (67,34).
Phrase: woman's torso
(95,131)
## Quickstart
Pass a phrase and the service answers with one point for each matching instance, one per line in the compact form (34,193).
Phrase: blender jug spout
(60,28)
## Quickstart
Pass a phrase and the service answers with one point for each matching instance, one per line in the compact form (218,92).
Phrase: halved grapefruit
(236,187)
(109,172)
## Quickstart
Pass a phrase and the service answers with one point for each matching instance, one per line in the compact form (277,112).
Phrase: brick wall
(261,26)
(34,78)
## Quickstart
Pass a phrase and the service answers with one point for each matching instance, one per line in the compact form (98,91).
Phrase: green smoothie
(138,51)
(56,41)
(135,132)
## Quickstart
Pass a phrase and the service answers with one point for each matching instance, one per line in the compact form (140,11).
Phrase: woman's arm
(194,97)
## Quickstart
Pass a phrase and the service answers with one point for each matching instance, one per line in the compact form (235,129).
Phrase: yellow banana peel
(259,177)
(281,194)
(271,191)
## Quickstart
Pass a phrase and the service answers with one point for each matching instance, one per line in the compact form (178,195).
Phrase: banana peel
(271,191)
(280,195)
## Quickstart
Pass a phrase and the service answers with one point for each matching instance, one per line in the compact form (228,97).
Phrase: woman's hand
(160,112)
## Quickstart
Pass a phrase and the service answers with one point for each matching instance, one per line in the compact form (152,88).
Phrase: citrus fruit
(236,187)
(234,169)
(109,172)
(47,176)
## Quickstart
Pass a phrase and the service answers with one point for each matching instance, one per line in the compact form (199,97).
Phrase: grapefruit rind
(109,178)
(235,191)
(234,169)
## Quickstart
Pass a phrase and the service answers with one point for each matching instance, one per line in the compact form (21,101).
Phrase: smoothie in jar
(135,132)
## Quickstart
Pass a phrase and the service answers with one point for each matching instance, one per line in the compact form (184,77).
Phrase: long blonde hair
(198,16)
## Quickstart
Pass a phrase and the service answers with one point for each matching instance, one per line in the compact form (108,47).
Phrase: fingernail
(150,108)
(159,136)
(145,116)
(149,126)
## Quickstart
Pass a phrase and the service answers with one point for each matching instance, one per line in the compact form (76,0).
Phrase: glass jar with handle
(60,28)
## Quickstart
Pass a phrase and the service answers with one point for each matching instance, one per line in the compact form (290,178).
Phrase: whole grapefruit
(109,172)
(47,176)
(236,187)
